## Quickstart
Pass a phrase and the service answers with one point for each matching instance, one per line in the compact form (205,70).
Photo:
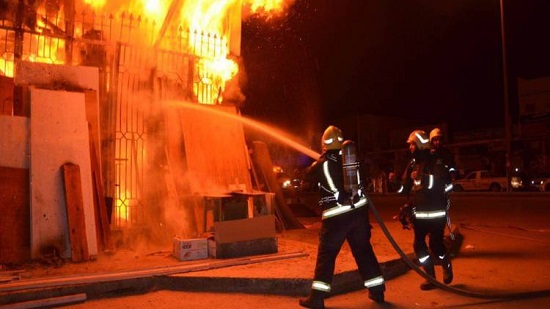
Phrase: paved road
(505,250)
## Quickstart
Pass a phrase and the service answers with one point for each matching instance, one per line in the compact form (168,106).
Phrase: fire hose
(352,184)
(463,292)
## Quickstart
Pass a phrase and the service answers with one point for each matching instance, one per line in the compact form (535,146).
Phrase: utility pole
(507,120)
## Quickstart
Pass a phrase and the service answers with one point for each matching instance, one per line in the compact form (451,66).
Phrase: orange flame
(122,213)
(268,6)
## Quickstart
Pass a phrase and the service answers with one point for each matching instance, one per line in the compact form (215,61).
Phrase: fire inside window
(188,51)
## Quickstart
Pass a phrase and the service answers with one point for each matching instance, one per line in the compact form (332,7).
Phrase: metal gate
(136,72)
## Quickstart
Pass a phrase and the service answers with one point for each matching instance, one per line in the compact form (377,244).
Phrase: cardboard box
(242,248)
(236,238)
(190,249)
(244,229)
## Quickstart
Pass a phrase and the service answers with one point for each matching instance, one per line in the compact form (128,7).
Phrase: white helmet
(420,139)
(436,132)
(332,138)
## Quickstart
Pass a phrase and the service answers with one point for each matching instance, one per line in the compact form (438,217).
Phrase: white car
(480,181)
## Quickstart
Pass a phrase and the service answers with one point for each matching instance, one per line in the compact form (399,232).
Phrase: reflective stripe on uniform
(328,177)
(431,183)
(430,214)
(423,259)
(400,189)
(320,286)
(448,187)
(341,209)
(374,282)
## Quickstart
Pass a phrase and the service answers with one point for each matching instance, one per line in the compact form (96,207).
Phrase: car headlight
(515,182)
(287,184)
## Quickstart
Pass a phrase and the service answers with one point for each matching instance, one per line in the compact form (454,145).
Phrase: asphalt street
(502,263)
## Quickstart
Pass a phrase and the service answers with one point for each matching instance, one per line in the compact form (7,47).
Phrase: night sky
(434,60)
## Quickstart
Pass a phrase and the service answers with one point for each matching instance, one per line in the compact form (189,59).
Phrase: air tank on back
(351,167)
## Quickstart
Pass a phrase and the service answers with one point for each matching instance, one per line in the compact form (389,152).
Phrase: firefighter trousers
(434,229)
(353,227)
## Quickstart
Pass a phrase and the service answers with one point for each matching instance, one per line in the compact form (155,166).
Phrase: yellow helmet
(332,138)
(436,132)
(420,139)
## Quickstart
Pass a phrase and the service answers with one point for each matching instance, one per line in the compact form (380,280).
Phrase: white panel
(59,134)
(14,141)
(45,75)
(35,73)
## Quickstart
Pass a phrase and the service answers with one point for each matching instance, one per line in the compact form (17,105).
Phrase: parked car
(480,181)
(541,182)
(520,180)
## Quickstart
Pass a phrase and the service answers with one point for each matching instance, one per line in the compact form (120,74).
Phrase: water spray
(273,132)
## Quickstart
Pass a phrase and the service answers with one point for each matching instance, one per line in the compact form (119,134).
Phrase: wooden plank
(103,229)
(215,171)
(75,212)
(12,272)
(4,279)
(14,215)
(91,102)
(14,141)
(21,101)
(48,302)
(6,95)
(126,275)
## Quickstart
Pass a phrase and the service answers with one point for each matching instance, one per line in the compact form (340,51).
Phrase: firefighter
(444,168)
(344,217)
(443,155)
(426,192)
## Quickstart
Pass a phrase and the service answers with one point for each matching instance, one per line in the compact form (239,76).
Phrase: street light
(507,120)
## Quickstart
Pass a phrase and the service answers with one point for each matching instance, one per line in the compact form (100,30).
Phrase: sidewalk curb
(343,283)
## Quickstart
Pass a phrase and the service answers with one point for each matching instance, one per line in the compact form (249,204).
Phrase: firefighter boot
(377,294)
(430,270)
(316,299)
(447,270)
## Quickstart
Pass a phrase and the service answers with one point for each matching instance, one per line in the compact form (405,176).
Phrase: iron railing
(130,65)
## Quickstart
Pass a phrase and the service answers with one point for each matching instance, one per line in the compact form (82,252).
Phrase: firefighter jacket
(427,191)
(327,171)
(444,163)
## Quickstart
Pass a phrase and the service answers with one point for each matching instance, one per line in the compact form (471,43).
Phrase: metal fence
(137,68)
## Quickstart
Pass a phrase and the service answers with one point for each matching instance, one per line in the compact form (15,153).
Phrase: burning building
(135,72)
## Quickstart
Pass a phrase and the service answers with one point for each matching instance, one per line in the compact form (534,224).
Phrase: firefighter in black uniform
(344,217)
(425,184)
(445,172)
(442,155)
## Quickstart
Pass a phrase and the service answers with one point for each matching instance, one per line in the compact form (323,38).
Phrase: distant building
(382,145)
(534,122)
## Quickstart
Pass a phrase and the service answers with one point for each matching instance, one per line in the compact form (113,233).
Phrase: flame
(268,6)
(6,67)
(200,16)
(96,4)
(122,214)
(222,67)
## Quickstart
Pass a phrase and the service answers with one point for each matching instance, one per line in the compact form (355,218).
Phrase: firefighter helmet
(420,139)
(436,132)
(332,138)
